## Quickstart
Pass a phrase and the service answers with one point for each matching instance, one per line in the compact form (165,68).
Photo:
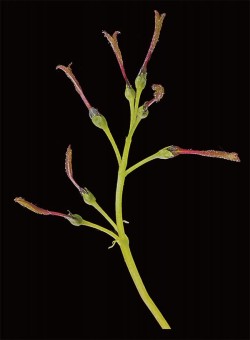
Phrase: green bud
(100,121)
(97,119)
(142,112)
(164,154)
(75,219)
(129,93)
(140,81)
(88,197)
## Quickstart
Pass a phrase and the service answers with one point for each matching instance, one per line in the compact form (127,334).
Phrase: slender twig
(98,227)
(142,162)
(113,143)
(105,215)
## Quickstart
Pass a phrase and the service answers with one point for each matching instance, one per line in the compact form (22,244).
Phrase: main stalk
(124,241)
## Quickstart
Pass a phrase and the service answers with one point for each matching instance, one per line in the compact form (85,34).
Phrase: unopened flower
(74,219)
(114,44)
(140,82)
(97,118)
(143,111)
(230,156)
(88,197)
(158,25)
(68,168)
(68,71)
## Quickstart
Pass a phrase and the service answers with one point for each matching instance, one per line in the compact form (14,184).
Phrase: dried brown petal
(158,92)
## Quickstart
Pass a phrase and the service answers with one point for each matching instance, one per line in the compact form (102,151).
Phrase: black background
(188,216)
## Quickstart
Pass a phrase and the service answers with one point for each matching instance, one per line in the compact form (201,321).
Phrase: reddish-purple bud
(88,197)
(158,25)
(114,44)
(68,168)
(230,156)
(34,208)
(72,218)
(68,71)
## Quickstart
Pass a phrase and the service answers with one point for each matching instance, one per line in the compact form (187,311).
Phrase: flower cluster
(137,113)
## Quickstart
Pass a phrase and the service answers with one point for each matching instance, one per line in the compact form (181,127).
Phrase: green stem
(98,227)
(123,240)
(104,214)
(134,121)
(128,258)
(137,99)
(120,185)
(137,165)
(113,143)
(132,112)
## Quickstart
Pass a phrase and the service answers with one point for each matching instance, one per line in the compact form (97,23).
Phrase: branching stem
(142,162)
(113,143)
(98,227)
(123,240)
(105,215)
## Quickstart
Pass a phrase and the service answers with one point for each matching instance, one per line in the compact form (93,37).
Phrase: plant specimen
(138,112)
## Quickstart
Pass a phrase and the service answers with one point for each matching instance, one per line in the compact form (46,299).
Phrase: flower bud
(158,25)
(140,81)
(114,44)
(165,154)
(129,93)
(230,156)
(88,197)
(34,208)
(69,169)
(75,219)
(68,71)
(142,112)
(97,119)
